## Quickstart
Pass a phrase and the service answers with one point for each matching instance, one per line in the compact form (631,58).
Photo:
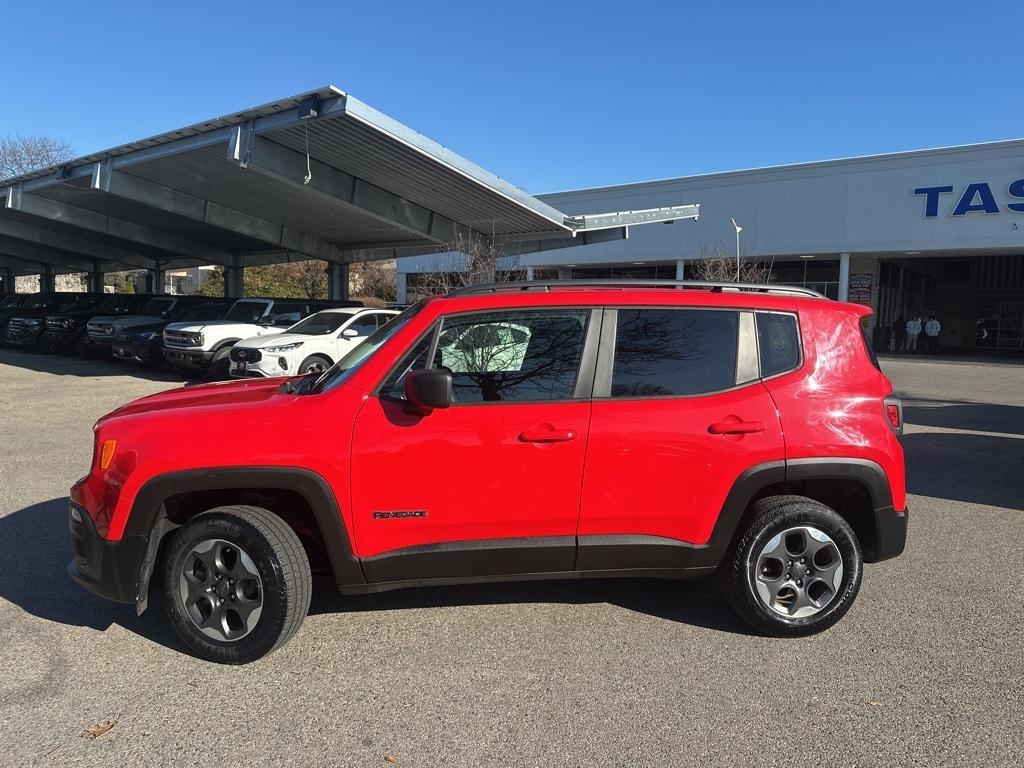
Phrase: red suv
(514,432)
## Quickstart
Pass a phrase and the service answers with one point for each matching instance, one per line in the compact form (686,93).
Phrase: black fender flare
(148,516)
(754,480)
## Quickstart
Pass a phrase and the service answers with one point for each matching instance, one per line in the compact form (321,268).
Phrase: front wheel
(236,584)
(795,570)
(314,364)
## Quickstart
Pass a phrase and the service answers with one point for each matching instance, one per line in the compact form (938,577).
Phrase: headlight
(196,339)
(283,347)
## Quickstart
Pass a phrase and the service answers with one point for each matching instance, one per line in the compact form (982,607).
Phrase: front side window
(246,311)
(364,325)
(674,352)
(517,356)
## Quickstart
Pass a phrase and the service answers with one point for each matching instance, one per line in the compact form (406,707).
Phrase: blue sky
(548,95)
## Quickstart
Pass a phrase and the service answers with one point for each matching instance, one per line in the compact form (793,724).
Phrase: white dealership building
(935,231)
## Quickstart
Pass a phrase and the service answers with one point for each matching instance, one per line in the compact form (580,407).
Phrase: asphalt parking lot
(927,669)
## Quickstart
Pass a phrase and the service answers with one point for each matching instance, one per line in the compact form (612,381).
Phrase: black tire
(739,572)
(315,363)
(220,367)
(285,583)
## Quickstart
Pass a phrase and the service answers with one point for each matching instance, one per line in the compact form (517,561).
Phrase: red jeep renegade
(517,431)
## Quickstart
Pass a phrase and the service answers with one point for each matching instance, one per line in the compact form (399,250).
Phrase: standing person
(913,330)
(931,334)
(900,332)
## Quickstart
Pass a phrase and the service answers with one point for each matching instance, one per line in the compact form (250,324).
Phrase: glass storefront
(1000,324)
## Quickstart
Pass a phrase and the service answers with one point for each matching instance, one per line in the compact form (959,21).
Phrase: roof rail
(547,285)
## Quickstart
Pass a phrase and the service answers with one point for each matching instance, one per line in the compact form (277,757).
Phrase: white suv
(202,346)
(311,346)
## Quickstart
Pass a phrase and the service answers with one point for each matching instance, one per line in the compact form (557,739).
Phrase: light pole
(738,230)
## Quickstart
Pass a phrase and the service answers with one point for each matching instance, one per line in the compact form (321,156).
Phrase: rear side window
(674,352)
(778,342)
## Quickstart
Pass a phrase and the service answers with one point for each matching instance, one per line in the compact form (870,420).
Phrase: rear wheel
(795,570)
(314,364)
(236,584)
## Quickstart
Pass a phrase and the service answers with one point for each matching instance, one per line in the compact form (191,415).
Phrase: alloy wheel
(221,589)
(798,572)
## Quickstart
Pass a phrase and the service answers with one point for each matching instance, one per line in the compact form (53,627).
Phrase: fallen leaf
(390,759)
(95,731)
(875,703)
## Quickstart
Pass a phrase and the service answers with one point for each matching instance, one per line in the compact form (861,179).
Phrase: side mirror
(429,388)
(268,321)
(349,333)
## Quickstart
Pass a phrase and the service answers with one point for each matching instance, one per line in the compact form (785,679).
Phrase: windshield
(157,306)
(321,323)
(111,303)
(211,311)
(11,301)
(363,351)
(83,303)
(246,311)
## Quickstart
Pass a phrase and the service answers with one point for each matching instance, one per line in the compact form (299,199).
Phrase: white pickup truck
(196,348)
(311,346)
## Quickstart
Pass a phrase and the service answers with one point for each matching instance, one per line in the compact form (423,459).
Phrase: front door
(490,485)
(679,413)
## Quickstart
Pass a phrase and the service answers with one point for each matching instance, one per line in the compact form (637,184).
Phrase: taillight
(894,414)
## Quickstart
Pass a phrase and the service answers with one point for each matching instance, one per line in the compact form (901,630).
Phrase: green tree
(297,280)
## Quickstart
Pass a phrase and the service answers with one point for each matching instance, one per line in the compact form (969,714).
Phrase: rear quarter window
(778,343)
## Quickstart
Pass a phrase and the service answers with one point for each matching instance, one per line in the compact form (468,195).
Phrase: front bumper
(890,534)
(23,336)
(141,352)
(62,339)
(110,569)
(186,358)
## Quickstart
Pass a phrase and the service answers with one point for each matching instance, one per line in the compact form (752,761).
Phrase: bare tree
(24,154)
(717,266)
(374,280)
(472,260)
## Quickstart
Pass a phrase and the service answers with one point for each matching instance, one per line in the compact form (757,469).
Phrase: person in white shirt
(931,334)
(913,331)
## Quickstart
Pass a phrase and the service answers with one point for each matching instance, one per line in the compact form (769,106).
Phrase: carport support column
(234,282)
(6,282)
(680,269)
(47,281)
(401,288)
(337,281)
(155,280)
(94,281)
(844,276)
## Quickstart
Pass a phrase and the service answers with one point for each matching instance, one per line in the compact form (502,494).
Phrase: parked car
(102,329)
(640,433)
(311,346)
(66,330)
(198,348)
(29,310)
(144,344)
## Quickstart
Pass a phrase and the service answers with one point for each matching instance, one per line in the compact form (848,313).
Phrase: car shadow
(959,414)
(72,365)
(34,550)
(959,466)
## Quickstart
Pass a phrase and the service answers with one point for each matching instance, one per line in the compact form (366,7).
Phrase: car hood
(125,321)
(199,325)
(219,397)
(137,329)
(275,339)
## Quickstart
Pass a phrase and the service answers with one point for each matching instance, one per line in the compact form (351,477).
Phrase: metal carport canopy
(319,175)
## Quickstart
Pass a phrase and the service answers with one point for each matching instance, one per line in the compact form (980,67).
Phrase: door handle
(736,427)
(547,435)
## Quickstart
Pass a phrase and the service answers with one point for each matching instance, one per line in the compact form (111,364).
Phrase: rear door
(678,414)
(490,485)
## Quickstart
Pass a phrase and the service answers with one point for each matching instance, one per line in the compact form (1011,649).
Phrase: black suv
(23,318)
(66,331)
